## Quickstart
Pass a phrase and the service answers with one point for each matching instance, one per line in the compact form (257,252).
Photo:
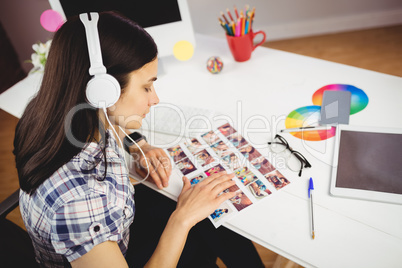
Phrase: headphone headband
(103,90)
(90,21)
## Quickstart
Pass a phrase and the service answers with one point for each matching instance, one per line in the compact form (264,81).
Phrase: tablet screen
(370,161)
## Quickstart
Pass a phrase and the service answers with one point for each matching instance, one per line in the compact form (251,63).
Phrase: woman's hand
(198,202)
(194,204)
(159,164)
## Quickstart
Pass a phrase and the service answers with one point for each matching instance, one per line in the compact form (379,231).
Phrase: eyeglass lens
(295,160)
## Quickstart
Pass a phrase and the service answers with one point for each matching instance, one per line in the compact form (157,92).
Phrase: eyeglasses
(295,161)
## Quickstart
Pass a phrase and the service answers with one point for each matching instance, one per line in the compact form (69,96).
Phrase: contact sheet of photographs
(225,149)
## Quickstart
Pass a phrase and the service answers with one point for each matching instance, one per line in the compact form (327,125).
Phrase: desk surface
(260,93)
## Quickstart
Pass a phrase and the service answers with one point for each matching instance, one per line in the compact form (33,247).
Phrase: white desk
(349,233)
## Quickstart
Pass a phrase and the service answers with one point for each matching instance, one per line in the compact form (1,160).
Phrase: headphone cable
(121,143)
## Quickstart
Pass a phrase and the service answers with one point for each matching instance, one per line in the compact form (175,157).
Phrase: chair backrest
(16,249)
(9,204)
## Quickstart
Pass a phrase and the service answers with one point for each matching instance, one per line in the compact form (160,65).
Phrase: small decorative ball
(214,65)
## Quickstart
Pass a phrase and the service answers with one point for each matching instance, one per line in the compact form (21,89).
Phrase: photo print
(249,152)
(210,137)
(193,145)
(240,200)
(277,179)
(176,153)
(259,189)
(220,148)
(232,161)
(185,166)
(245,176)
(262,165)
(198,178)
(213,170)
(221,212)
(226,130)
(204,158)
(237,140)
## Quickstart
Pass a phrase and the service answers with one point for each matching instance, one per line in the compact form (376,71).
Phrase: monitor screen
(145,13)
(167,21)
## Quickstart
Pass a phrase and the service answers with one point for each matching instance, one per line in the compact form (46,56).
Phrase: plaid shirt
(72,211)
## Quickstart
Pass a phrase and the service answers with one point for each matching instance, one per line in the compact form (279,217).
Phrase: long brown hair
(40,144)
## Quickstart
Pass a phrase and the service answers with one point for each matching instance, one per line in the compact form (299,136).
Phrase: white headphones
(103,90)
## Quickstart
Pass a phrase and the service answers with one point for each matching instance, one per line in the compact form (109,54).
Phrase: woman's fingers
(200,200)
(158,175)
(162,166)
(219,188)
(165,161)
(186,185)
(225,196)
(213,177)
(216,179)
(216,184)
(159,167)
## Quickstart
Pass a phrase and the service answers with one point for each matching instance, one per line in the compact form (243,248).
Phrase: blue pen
(310,195)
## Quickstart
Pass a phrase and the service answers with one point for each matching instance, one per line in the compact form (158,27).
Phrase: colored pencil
(246,9)
(249,23)
(240,26)
(242,22)
(252,16)
(228,29)
(223,26)
(224,17)
(230,15)
(237,13)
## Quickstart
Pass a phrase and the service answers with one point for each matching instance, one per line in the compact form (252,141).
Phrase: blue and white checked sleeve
(85,222)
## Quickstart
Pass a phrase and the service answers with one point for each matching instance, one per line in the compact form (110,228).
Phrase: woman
(76,198)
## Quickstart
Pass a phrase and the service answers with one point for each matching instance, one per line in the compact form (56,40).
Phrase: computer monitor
(167,21)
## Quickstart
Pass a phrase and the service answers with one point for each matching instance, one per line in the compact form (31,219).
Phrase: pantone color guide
(310,115)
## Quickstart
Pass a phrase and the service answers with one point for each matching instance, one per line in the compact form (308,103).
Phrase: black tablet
(367,163)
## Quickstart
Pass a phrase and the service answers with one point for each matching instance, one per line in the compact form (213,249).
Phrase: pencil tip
(313,235)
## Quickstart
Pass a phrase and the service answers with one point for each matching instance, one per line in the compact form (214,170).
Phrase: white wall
(280,19)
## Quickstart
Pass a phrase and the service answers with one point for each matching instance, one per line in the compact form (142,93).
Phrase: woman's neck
(107,125)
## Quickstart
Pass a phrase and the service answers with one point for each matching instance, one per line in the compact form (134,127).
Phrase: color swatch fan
(311,115)
(308,116)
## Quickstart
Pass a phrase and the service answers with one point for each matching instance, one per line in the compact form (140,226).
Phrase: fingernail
(165,184)
(160,186)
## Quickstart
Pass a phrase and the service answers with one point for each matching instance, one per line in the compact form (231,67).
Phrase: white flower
(42,48)
(35,59)
(38,59)
(35,47)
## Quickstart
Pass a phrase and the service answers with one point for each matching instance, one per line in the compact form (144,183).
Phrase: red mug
(242,46)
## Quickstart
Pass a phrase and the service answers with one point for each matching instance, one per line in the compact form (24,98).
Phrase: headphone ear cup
(103,91)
